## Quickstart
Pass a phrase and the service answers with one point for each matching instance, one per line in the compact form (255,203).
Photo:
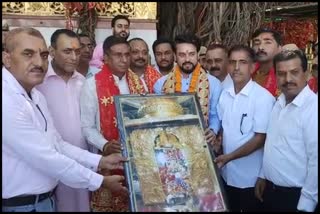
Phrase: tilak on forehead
(74,45)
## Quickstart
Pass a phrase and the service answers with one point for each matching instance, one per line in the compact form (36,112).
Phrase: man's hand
(259,188)
(113,161)
(114,183)
(217,144)
(111,147)
(222,160)
(210,136)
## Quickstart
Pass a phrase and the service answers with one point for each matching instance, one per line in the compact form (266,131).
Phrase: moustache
(37,69)
(285,85)
(164,61)
(260,53)
(186,63)
(140,60)
(214,69)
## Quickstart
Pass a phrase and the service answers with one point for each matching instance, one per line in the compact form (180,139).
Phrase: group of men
(56,111)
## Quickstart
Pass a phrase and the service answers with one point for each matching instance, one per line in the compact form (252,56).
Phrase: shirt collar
(299,100)
(17,88)
(117,79)
(51,73)
(245,90)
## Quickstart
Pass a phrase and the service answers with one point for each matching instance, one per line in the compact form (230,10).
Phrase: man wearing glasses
(98,113)
(244,111)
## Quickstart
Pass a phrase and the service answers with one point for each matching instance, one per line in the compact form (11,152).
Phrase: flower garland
(194,79)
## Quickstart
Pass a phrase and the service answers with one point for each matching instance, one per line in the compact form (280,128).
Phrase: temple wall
(50,16)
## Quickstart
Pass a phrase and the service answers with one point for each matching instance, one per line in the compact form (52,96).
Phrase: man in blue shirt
(188,76)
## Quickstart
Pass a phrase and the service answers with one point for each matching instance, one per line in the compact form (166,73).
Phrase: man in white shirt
(244,112)
(98,113)
(34,155)
(217,64)
(289,175)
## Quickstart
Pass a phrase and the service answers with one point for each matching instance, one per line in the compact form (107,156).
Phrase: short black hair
(276,35)
(111,41)
(286,55)
(162,40)
(57,33)
(87,35)
(250,51)
(217,46)
(113,21)
(187,38)
(83,35)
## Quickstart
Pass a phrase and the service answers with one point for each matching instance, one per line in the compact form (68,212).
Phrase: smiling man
(35,157)
(120,25)
(189,76)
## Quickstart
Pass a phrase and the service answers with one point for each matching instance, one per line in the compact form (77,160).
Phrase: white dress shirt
(90,114)
(291,148)
(144,83)
(227,82)
(34,155)
(247,112)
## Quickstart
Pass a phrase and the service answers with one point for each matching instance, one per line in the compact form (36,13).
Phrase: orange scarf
(106,89)
(199,83)
(151,75)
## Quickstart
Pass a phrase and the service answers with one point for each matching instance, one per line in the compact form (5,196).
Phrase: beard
(187,70)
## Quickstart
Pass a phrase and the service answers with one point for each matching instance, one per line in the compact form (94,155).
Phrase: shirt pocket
(246,123)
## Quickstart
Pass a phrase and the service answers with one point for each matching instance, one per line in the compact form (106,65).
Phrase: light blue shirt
(214,94)
(92,71)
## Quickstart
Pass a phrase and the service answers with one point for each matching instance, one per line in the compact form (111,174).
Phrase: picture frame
(170,165)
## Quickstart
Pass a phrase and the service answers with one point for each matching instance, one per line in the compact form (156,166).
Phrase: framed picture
(171,166)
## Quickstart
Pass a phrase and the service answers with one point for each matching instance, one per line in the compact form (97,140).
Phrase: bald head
(139,53)
(12,35)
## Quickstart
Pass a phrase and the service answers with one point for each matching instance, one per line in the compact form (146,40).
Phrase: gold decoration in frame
(171,166)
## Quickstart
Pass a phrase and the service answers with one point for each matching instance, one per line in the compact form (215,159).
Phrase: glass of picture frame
(170,165)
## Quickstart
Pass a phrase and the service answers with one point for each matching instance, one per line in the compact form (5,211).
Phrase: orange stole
(102,199)
(201,86)
(151,75)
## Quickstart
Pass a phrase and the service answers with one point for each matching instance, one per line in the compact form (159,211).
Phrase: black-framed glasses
(241,121)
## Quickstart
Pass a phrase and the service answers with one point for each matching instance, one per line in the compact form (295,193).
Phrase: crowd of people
(61,148)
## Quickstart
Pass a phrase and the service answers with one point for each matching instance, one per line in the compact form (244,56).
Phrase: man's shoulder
(162,79)
(261,94)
